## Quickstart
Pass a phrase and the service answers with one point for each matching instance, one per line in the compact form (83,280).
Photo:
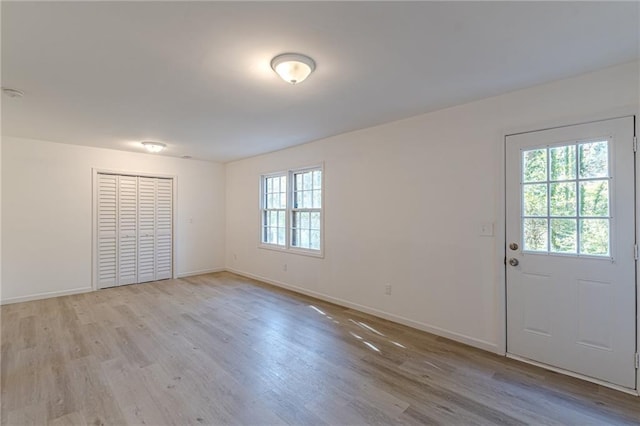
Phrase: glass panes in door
(565,199)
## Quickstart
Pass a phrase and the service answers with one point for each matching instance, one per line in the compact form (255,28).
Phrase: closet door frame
(94,216)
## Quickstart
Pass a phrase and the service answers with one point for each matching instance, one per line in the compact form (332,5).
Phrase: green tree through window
(565,199)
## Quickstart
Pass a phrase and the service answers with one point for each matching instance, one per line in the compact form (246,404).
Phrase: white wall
(47,214)
(404,203)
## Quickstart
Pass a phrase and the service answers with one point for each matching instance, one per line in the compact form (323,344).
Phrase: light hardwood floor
(222,349)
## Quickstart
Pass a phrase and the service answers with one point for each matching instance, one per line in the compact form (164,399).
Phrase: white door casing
(571,298)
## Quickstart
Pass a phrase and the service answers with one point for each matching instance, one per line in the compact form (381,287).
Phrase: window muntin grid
(566,199)
(306,213)
(274,210)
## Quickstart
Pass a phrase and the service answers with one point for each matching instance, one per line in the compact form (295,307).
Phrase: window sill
(299,251)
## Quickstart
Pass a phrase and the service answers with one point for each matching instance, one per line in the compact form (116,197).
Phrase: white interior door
(571,291)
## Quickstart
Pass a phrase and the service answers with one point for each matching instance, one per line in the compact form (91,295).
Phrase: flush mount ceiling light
(293,67)
(153,146)
(12,93)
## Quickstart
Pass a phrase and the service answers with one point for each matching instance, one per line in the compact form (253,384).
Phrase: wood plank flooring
(222,349)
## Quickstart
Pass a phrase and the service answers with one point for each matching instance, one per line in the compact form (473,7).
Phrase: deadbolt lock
(513,246)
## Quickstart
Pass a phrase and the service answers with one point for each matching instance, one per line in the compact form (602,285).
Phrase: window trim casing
(288,248)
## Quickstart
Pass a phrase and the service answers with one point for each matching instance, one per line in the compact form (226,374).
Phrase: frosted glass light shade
(153,146)
(292,67)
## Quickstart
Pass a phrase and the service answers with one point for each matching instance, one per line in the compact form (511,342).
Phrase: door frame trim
(501,234)
(94,216)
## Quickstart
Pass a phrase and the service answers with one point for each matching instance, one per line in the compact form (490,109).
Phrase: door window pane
(594,198)
(594,236)
(535,234)
(535,200)
(563,162)
(563,199)
(594,160)
(563,236)
(534,165)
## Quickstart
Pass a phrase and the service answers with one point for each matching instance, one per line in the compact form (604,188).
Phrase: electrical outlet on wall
(387,289)
(284,267)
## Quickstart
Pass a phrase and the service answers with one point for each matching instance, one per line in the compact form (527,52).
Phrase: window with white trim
(292,210)
(274,209)
(306,211)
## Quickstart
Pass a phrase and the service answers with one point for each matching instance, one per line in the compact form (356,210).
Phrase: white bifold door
(134,229)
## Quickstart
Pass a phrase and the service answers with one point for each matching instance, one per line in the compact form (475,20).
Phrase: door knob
(513,261)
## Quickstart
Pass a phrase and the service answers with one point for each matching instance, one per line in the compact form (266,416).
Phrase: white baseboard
(200,272)
(467,340)
(47,295)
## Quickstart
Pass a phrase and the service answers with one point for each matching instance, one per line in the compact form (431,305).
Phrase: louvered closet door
(164,231)
(146,229)
(107,214)
(128,225)
(135,229)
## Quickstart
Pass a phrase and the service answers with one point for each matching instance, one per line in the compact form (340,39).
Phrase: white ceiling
(196,75)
